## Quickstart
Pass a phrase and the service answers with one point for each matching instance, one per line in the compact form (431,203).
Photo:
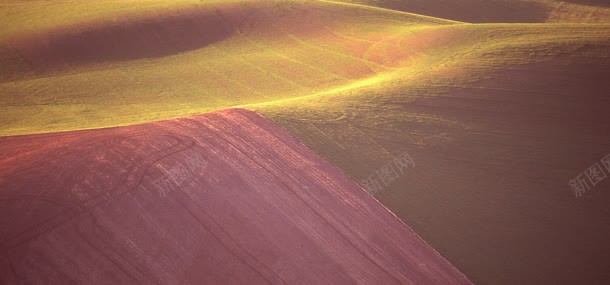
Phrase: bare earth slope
(220,198)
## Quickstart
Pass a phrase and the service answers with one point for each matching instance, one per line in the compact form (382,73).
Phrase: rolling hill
(144,65)
(499,103)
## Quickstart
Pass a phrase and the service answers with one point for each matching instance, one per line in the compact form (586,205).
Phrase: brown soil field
(494,157)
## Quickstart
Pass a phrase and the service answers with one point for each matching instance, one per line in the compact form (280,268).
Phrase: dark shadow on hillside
(473,11)
(129,39)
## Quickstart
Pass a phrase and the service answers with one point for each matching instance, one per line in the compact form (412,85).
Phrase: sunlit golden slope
(139,62)
(497,11)
(75,65)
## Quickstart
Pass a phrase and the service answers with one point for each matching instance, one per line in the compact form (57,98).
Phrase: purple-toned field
(222,198)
